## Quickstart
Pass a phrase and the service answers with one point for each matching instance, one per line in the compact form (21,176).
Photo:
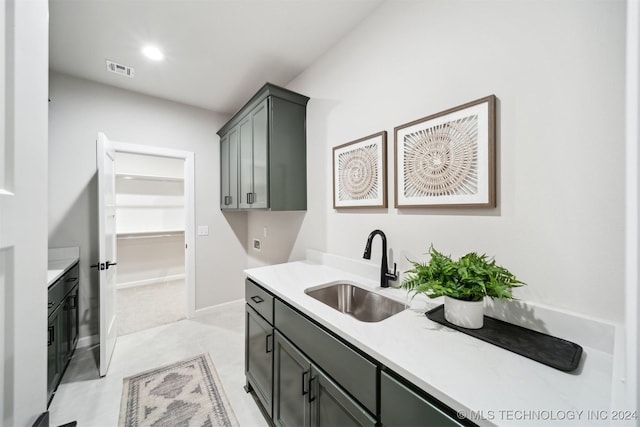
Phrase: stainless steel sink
(360,303)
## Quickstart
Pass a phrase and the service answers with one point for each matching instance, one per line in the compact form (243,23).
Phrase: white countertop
(490,385)
(61,260)
(57,268)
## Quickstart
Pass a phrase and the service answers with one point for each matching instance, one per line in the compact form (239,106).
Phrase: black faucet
(385,275)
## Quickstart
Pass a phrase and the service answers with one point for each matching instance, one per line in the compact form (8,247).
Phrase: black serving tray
(551,351)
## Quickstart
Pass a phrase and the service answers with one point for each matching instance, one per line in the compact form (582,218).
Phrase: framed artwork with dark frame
(447,159)
(360,173)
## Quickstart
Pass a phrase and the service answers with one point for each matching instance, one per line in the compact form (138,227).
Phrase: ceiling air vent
(123,70)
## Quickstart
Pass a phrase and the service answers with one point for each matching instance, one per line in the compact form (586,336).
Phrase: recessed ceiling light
(153,52)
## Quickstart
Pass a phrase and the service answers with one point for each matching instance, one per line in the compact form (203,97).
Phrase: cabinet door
(332,407)
(224,172)
(64,337)
(245,144)
(259,357)
(260,126)
(291,385)
(233,170)
(353,372)
(53,351)
(229,170)
(402,407)
(72,301)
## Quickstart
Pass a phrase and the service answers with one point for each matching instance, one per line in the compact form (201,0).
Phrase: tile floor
(95,402)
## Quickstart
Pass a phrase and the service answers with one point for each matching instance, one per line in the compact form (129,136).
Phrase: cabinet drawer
(62,287)
(71,278)
(259,299)
(55,296)
(345,366)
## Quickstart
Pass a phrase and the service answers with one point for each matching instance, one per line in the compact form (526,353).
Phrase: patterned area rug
(186,393)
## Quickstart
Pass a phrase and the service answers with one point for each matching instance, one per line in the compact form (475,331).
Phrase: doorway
(150,287)
(154,227)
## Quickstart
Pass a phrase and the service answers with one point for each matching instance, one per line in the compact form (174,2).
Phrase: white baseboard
(151,281)
(215,308)
(88,341)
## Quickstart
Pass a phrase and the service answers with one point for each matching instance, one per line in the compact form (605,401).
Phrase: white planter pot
(466,314)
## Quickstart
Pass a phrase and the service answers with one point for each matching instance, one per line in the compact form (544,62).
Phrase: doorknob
(109,264)
(100,266)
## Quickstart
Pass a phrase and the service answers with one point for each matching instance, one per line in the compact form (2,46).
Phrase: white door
(7,201)
(23,211)
(107,264)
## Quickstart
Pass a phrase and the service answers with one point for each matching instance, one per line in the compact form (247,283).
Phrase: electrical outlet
(257,245)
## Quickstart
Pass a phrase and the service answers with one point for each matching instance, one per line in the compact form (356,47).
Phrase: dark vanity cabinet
(263,153)
(292,372)
(401,405)
(259,344)
(259,357)
(306,376)
(54,368)
(332,406)
(353,374)
(288,379)
(62,330)
(305,396)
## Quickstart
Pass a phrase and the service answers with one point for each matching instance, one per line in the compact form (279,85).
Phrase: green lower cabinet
(332,407)
(62,331)
(346,367)
(306,376)
(259,356)
(54,364)
(402,407)
(73,316)
(305,397)
(291,373)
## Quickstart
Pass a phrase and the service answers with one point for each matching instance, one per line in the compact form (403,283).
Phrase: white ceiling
(217,52)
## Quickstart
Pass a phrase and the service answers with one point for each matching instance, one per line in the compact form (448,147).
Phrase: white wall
(279,243)
(79,109)
(557,69)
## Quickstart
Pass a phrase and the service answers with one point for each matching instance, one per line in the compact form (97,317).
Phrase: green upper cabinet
(246,171)
(229,170)
(263,153)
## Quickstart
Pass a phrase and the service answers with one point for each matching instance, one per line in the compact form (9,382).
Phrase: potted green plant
(463,283)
